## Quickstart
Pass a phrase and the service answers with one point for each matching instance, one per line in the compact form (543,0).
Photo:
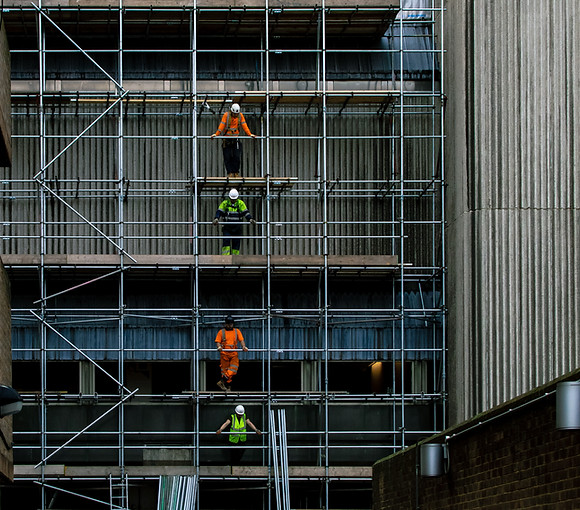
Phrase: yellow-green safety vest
(238,429)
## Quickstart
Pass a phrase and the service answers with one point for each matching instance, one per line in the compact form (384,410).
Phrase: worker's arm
(219,213)
(248,216)
(226,424)
(218,340)
(256,429)
(221,127)
(242,342)
(245,126)
(244,209)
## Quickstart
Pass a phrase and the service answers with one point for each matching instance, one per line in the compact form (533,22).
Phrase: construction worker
(232,146)
(227,343)
(233,210)
(237,437)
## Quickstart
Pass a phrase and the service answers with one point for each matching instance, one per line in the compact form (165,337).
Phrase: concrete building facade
(6,457)
(512,167)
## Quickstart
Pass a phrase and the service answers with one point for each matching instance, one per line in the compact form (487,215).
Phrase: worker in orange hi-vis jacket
(227,343)
(232,147)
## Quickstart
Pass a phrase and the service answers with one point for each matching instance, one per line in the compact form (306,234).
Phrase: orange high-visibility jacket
(229,339)
(233,125)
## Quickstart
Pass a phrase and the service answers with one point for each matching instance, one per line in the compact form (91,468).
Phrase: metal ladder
(279,444)
(118,493)
(177,492)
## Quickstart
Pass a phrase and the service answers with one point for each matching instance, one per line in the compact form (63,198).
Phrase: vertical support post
(43,249)
(402,222)
(443,389)
(195,304)
(121,242)
(325,253)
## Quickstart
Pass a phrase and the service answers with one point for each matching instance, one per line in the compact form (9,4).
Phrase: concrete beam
(60,471)
(205,3)
(238,261)
(5,104)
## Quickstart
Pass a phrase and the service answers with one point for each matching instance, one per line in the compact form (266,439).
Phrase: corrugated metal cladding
(169,337)
(512,166)
(140,194)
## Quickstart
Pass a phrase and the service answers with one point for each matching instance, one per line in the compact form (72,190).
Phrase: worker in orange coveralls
(227,343)
(229,128)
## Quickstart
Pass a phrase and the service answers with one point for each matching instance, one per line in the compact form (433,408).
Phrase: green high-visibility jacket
(233,211)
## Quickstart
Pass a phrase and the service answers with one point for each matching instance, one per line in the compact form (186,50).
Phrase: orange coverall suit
(232,148)
(229,361)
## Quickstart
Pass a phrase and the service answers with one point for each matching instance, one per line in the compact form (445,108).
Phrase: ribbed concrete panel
(5,118)
(512,83)
(535,277)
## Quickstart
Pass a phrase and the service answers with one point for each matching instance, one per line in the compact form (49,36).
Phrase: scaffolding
(118,285)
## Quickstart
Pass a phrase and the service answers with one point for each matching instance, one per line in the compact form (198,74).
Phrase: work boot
(222,385)
(236,174)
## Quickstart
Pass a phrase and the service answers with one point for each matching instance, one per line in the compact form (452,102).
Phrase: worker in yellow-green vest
(232,212)
(237,436)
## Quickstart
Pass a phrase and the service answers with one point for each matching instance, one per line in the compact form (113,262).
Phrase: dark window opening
(362,377)
(158,378)
(251,376)
(26,376)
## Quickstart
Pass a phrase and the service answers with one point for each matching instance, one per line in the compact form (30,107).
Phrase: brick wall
(509,457)
(6,466)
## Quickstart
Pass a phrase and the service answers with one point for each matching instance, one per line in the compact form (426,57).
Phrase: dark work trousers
(236,453)
(231,239)
(232,155)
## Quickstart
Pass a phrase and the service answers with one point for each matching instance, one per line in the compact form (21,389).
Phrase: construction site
(118,278)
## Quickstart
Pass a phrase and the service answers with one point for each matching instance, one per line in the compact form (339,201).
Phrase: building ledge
(218,472)
(274,262)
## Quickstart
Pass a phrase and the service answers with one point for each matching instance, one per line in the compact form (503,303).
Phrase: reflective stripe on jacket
(230,126)
(229,339)
(234,211)
(238,429)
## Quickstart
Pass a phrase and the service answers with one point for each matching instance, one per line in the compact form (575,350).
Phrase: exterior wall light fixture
(568,405)
(434,459)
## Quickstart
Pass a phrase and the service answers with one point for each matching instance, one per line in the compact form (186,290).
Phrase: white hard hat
(235,108)
(239,409)
(234,194)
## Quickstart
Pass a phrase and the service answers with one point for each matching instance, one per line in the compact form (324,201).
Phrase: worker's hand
(215,222)
(253,136)
(214,135)
(220,348)
(259,432)
(218,431)
(245,349)
(253,221)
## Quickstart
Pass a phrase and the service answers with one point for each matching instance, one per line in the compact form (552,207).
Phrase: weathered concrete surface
(511,78)
(6,463)
(5,105)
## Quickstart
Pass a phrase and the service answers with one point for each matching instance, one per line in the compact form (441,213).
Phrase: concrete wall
(5,103)
(508,457)
(511,77)
(6,466)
